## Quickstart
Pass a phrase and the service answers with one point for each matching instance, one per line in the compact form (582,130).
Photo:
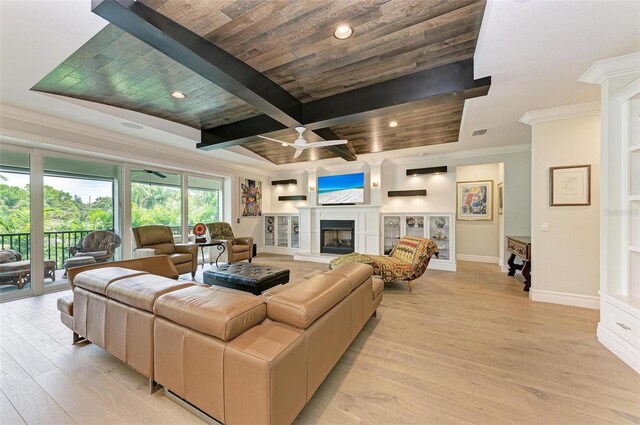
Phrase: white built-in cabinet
(436,226)
(281,233)
(619,327)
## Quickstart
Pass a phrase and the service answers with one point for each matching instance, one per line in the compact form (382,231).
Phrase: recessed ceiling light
(393,123)
(342,32)
(132,125)
(284,144)
(178,95)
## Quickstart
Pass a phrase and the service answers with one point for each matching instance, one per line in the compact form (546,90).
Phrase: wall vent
(480,132)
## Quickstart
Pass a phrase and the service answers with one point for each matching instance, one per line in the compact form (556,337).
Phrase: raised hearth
(337,236)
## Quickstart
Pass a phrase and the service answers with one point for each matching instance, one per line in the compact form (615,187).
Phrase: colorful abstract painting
(474,200)
(250,197)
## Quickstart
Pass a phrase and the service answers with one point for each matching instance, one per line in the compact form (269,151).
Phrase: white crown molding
(117,140)
(560,113)
(614,67)
(471,153)
(630,90)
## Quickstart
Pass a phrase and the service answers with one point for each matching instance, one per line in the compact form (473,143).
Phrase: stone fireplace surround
(367,229)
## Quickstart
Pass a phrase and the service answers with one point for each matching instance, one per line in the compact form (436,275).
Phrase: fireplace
(337,236)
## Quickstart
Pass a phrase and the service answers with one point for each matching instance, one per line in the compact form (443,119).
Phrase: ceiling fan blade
(155,173)
(327,143)
(275,140)
(298,153)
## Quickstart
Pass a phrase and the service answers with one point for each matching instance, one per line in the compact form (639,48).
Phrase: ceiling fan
(155,173)
(300,144)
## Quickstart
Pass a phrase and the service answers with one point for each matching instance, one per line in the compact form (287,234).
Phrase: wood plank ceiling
(292,43)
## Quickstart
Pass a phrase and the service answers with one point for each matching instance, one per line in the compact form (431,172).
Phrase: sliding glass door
(15,223)
(156,198)
(80,214)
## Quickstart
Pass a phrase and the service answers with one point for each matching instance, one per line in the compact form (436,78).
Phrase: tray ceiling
(292,43)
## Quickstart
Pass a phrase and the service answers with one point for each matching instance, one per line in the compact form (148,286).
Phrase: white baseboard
(618,346)
(576,300)
(477,258)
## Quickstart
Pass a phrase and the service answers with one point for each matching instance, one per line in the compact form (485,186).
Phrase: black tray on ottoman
(246,277)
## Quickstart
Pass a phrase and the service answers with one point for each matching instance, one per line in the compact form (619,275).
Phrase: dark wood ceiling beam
(361,103)
(438,85)
(346,151)
(202,57)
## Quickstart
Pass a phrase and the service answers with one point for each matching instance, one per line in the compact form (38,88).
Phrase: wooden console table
(520,246)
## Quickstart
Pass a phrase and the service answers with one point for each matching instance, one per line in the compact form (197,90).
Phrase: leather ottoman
(246,277)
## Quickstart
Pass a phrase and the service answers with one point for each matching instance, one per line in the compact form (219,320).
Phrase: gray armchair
(99,244)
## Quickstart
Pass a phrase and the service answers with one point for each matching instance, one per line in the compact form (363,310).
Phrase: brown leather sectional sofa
(240,358)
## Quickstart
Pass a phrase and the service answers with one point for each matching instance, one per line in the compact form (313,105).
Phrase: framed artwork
(250,197)
(570,185)
(474,200)
(500,198)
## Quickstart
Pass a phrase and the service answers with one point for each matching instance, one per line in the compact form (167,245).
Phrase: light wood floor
(465,347)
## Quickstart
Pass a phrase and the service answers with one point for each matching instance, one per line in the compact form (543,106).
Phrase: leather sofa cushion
(162,248)
(179,258)
(240,248)
(65,305)
(378,286)
(302,304)
(218,312)
(97,280)
(355,273)
(142,291)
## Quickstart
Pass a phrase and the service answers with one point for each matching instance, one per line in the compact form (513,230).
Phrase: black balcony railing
(56,244)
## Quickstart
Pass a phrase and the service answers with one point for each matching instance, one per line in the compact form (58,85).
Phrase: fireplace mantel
(367,229)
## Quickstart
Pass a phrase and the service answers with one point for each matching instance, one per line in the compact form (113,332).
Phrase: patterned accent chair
(238,249)
(99,244)
(158,240)
(408,260)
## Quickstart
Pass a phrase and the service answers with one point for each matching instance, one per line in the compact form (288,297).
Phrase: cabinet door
(283,231)
(295,232)
(414,225)
(440,233)
(391,232)
(269,230)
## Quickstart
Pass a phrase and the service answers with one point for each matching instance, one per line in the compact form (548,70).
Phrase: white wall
(441,189)
(480,238)
(300,188)
(566,258)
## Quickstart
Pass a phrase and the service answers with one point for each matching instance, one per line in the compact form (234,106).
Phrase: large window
(79,198)
(156,198)
(15,222)
(205,200)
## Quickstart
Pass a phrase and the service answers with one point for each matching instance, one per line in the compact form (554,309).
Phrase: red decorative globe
(199,229)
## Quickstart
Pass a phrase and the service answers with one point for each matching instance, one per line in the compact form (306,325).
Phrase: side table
(217,243)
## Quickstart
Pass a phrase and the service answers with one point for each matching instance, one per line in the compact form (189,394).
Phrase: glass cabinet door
(295,232)
(391,232)
(439,232)
(269,230)
(283,231)
(414,225)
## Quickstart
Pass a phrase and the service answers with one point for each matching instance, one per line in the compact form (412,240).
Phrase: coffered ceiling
(291,43)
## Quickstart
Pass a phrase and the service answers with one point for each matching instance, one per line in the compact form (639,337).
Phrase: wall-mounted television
(341,189)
